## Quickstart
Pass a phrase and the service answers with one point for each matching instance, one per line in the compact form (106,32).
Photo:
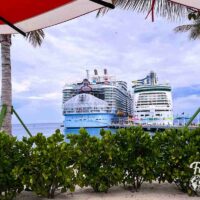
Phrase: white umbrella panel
(23,16)
(189,3)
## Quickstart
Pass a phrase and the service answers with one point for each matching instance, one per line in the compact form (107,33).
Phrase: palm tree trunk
(6,85)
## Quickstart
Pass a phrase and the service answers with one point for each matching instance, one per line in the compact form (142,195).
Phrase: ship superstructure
(96,101)
(152,101)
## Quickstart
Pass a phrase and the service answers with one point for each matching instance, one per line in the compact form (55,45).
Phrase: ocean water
(48,129)
(91,131)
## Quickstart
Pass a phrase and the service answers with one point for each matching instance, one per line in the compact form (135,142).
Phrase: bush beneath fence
(136,156)
(129,157)
(177,149)
(10,156)
(48,165)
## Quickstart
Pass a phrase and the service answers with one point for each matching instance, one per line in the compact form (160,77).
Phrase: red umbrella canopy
(30,15)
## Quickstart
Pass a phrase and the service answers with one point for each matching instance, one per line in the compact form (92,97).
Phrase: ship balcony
(87,111)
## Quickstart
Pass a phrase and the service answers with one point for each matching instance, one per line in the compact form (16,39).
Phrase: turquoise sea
(47,129)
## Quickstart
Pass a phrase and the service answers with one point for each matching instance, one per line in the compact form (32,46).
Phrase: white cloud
(47,97)
(19,87)
(188,104)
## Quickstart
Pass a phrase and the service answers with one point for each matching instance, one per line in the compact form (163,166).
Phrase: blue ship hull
(94,120)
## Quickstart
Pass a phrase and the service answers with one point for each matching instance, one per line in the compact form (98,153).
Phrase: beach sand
(154,191)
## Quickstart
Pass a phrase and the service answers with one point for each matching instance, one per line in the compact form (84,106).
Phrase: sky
(121,41)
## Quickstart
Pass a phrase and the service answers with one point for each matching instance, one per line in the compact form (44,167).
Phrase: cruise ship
(152,101)
(96,102)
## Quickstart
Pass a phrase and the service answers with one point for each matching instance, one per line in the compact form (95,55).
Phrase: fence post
(193,117)
(3,114)
(22,123)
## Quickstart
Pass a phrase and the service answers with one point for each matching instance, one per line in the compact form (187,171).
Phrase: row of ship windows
(147,115)
(164,101)
(106,95)
(145,106)
(150,103)
(109,94)
(153,98)
(153,103)
(119,97)
(107,90)
(86,110)
(83,119)
(155,110)
(154,93)
(151,94)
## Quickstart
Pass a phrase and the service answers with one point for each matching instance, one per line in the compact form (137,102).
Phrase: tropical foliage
(10,156)
(163,8)
(49,165)
(166,9)
(193,28)
(136,156)
(177,150)
(95,160)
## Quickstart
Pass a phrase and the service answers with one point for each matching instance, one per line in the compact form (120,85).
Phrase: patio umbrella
(189,3)
(23,16)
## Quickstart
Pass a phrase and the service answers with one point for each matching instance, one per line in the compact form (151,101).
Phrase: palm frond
(193,28)
(195,34)
(35,37)
(183,28)
(102,11)
(163,8)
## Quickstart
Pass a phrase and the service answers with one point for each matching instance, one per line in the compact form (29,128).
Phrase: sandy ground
(152,191)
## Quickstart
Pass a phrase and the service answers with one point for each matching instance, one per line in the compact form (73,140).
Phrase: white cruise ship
(97,101)
(152,102)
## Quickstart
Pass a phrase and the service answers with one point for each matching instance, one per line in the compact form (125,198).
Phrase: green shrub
(95,160)
(48,166)
(130,156)
(177,150)
(136,156)
(10,157)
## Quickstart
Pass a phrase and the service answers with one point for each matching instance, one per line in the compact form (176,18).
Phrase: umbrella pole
(13,26)
(104,3)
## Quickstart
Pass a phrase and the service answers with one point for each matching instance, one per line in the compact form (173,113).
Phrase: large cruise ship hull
(88,120)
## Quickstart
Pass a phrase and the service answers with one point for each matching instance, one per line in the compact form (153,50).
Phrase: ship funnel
(105,72)
(87,74)
(95,72)
(153,78)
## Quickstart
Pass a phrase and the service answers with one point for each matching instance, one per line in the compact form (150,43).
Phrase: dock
(152,128)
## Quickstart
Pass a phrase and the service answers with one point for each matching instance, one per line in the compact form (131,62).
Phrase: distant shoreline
(39,123)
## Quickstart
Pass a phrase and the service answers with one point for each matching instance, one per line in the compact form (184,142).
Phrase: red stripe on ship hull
(18,10)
